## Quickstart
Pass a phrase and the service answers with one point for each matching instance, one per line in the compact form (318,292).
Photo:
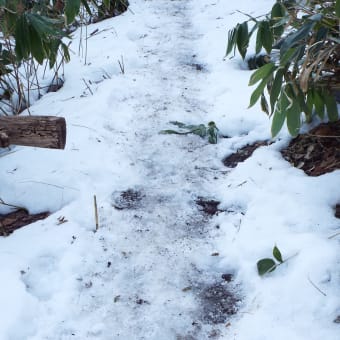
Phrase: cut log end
(38,131)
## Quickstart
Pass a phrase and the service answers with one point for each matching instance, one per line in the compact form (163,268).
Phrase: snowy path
(149,273)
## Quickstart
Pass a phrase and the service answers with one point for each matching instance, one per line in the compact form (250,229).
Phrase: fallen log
(39,131)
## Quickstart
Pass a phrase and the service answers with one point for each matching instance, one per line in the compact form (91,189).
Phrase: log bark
(39,131)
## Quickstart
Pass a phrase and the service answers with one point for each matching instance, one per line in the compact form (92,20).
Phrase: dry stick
(316,287)
(334,235)
(96,211)
(12,205)
(88,87)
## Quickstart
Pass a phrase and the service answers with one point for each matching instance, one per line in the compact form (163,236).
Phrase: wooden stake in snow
(96,211)
(39,131)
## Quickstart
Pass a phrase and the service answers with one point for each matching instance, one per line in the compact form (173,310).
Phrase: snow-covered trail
(148,272)
(158,267)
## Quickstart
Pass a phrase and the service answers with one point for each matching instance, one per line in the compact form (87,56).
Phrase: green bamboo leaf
(295,38)
(172,132)
(257,93)
(277,254)
(259,37)
(294,117)
(66,52)
(276,88)
(22,47)
(232,34)
(45,26)
(337,8)
(319,103)
(199,130)
(72,8)
(261,73)
(279,114)
(36,45)
(265,266)
(332,107)
(264,104)
(267,36)
(242,38)
(278,11)
(287,57)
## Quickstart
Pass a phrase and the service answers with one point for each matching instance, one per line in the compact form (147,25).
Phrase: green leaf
(72,8)
(332,107)
(265,266)
(212,133)
(295,38)
(22,47)
(259,37)
(276,88)
(319,103)
(277,254)
(261,73)
(337,8)
(267,37)
(257,93)
(264,104)
(172,132)
(279,114)
(66,52)
(242,38)
(36,45)
(232,34)
(287,56)
(294,117)
(278,11)
(199,130)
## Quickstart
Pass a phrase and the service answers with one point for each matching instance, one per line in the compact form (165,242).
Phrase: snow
(144,273)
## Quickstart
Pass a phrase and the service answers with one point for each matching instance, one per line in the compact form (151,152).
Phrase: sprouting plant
(210,131)
(267,265)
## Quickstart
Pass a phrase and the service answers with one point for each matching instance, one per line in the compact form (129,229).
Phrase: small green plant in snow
(210,131)
(267,265)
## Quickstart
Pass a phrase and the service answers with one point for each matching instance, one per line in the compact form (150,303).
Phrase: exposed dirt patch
(316,152)
(337,211)
(129,199)
(18,219)
(219,301)
(242,154)
(209,207)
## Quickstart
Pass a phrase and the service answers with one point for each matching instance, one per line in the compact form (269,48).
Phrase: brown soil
(18,219)
(242,154)
(337,211)
(209,207)
(219,303)
(316,152)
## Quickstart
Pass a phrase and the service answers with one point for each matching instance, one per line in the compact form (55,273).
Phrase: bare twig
(121,64)
(316,287)
(96,211)
(88,87)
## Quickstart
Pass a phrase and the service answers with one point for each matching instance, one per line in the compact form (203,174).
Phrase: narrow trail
(158,225)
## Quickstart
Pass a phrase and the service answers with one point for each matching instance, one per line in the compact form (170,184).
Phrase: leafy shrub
(32,33)
(305,74)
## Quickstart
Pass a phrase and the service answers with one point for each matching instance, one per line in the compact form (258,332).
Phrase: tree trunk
(39,131)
